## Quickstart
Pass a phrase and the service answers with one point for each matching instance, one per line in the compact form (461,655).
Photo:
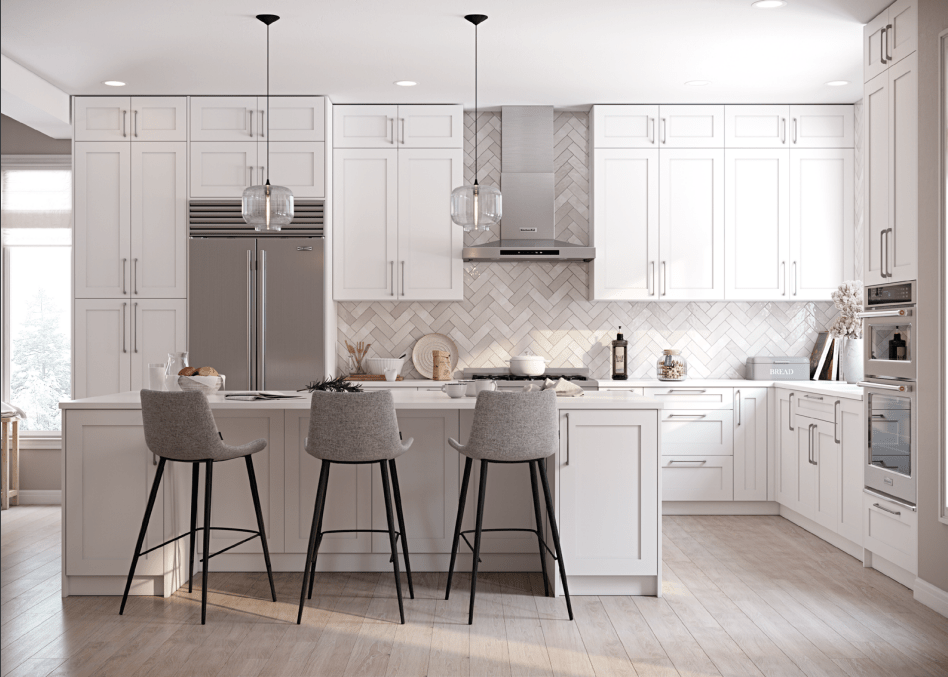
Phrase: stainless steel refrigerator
(255,300)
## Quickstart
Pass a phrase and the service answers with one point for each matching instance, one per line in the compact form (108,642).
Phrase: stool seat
(512,427)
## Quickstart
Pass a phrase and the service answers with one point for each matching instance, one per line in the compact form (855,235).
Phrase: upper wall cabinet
(889,38)
(244,118)
(625,126)
(293,118)
(822,126)
(756,126)
(137,118)
(651,126)
(691,127)
(391,126)
(225,169)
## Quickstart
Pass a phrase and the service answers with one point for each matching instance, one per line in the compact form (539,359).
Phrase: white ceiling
(568,54)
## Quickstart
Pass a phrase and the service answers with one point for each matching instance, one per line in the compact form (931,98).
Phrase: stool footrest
(527,531)
(188,533)
(358,531)
(230,547)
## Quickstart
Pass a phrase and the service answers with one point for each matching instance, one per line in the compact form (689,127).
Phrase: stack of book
(824,360)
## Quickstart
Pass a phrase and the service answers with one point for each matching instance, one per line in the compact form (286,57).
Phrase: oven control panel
(901,293)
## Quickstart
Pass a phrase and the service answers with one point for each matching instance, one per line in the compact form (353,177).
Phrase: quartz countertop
(834,388)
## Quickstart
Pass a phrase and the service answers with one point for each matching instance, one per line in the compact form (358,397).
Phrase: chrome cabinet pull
(783,277)
(881,386)
(249,319)
(810,444)
(686,390)
(795,278)
(663,130)
(886,54)
(882,252)
(251,123)
(814,397)
(124,348)
(790,414)
(402,124)
(699,462)
(882,46)
(888,269)
(687,416)
(260,125)
(651,130)
(783,130)
(403,278)
(263,317)
(664,280)
(740,407)
(884,509)
(794,138)
(124,273)
(391,124)
(124,113)
(135,327)
(391,270)
(650,279)
(902,312)
(836,421)
(135,123)
(567,438)
(134,276)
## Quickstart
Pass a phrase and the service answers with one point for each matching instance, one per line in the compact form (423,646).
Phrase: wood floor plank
(643,648)
(685,653)
(603,647)
(526,646)
(489,653)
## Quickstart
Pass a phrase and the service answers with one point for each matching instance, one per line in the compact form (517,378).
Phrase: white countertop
(834,388)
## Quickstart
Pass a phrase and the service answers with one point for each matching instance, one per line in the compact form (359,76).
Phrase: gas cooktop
(578,375)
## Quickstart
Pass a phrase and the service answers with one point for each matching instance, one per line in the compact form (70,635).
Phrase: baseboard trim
(931,596)
(41,497)
(818,530)
(720,508)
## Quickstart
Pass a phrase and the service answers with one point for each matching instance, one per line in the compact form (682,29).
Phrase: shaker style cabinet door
(103,333)
(625,126)
(224,118)
(851,434)
(159,327)
(822,126)
(902,239)
(299,166)
(901,33)
(292,118)
(159,118)
(750,444)
(102,118)
(874,60)
(876,210)
(356,126)
(625,209)
(430,127)
(224,170)
(691,127)
(756,126)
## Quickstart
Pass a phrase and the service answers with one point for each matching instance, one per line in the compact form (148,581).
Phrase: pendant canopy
(475,207)
(266,207)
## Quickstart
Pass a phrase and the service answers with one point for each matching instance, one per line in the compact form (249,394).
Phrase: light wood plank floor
(742,596)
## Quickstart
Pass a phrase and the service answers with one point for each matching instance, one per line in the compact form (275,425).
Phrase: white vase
(851,363)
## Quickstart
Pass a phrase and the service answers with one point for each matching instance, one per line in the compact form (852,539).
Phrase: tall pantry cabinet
(130,256)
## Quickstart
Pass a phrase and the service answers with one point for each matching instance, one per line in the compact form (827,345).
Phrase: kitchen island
(605,478)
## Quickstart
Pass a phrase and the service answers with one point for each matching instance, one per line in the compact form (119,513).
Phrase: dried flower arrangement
(848,300)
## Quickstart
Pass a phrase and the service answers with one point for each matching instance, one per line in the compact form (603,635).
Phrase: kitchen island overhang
(605,478)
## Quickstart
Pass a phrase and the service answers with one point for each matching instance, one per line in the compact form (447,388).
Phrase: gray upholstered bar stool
(510,428)
(179,426)
(355,428)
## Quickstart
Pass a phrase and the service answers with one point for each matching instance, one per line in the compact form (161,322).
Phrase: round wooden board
(421,353)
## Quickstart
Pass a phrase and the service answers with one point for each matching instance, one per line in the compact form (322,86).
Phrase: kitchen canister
(671,366)
(441,365)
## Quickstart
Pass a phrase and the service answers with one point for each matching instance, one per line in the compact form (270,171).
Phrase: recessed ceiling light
(837,83)
(769,4)
(405,83)
(114,83)
(698,83)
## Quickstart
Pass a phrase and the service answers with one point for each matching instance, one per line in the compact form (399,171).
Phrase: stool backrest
(180,426)
(514,426)
(353,427)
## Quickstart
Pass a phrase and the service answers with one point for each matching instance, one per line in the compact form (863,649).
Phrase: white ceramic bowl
(378,365)
(527,365)
(205,384)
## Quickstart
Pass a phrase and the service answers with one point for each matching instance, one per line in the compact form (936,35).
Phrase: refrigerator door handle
(263,318)
(249,319)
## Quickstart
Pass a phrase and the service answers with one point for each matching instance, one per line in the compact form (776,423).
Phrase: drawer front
(683,397)
(820,407)
(698,433)
(891,531)
(697,478)
(630,391)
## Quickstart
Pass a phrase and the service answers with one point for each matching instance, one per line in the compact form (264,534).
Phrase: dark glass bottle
(620,358)
(897,347)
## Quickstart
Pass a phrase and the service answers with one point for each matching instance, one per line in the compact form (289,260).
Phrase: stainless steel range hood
(527,229)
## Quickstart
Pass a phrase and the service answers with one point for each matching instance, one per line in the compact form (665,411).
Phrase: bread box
(773,368)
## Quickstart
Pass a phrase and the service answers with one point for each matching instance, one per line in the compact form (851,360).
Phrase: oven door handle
(883,386)
(869,314)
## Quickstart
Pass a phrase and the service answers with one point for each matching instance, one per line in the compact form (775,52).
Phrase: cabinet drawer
(630,391)
(698,433)
(820,407)
(681,397)
(890,531)
(697,478)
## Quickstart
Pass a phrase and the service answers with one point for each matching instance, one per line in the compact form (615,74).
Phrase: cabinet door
(102,118)
(795,474)
(108,476)
(608,492)
(159,118)
(625,213)
(625,126)
(697,432)
(757,224)
(300,166)
(292,118)
(365,223)
(825,464)
(102,217)
(851,434)
(102,360)
(822,126)
(697,478)
(429,244)
(223,169)
(691,225)
(756,126)
(876,211)
(874,61)
(902,238)
(224,118)
(159,327)
(901,34)
(159,198)
(431,127)
(750,444)
(348,503)
(364,126)
(821,222)
(692,126)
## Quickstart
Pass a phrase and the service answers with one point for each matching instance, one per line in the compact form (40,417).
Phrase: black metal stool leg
(391,537)
(555,532)
(539,519)
(401,525)
(468,461)
(321,507)
(320,489)
(208,481)
(481,491)
(195,476)
(263,533)
(141,534)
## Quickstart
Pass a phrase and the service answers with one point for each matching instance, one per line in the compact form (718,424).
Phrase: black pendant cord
(268,104)
(476,139)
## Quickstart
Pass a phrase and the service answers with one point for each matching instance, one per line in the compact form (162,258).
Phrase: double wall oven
(890,403)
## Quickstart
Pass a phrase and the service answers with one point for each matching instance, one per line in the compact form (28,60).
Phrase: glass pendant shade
(267,207)
(476,207)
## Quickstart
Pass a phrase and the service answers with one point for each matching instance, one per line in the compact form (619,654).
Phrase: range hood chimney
(527,229)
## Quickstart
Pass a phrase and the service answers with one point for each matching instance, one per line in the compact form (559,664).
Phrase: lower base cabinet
(891,531)
(697,478)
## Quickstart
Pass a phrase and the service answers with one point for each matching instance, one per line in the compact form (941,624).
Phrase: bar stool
(179,426)
(355,428)
(510,428)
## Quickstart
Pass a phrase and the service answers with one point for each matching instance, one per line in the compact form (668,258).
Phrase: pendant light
(268,207)
(476,207)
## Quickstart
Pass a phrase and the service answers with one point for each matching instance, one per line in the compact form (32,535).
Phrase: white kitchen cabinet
(697,478)
(890,37)
(391,126)
(223,169)
(159,118)
(608,493)
(293,118)
(877,167)
(137,118)
(625,126)
(688,126)
(750,444)
(692,397)
(159,327)
(356,126)
(794,477)
(851,433)
(429,243)
(824,457)
(431,126)
(691,225)
(697,432)
(822,126)
(299,166)
(101,118)
(224,118)
(757,223)
(874,59)
(625,214)
(890,530)
(756,126)
(821,222)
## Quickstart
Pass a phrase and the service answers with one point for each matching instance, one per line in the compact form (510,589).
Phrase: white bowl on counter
(378,365)
(527,365)
(205,384)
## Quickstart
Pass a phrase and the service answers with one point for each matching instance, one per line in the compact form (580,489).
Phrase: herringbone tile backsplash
(510,308)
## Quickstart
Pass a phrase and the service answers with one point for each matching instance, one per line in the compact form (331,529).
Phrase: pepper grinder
(620,354)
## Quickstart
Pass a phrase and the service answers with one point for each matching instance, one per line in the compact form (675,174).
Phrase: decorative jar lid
(671,351)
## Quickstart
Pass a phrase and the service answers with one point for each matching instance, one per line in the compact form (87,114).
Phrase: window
(36,215)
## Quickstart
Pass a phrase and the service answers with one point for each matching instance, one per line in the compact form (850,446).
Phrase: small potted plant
(847,329)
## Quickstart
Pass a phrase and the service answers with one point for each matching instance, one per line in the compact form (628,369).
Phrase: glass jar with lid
(672,366)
